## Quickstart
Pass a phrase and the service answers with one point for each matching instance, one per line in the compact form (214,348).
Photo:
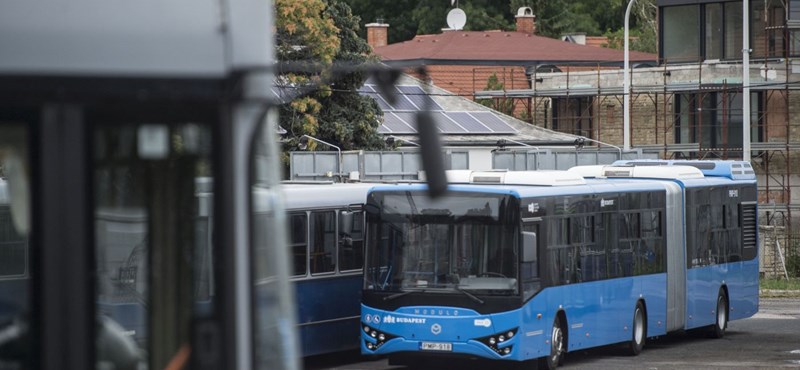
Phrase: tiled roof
(498,46)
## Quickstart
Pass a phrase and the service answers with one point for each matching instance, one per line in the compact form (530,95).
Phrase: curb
(776,293)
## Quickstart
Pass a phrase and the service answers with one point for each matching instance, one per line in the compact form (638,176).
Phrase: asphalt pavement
(768,340)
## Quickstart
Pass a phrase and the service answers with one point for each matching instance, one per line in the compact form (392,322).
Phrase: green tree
(397,13)
(557,17)
(408,18)
(348,118)
(504,105)
(643,28)
(324,34)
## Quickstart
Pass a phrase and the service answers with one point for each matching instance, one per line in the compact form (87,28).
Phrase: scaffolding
(690,111)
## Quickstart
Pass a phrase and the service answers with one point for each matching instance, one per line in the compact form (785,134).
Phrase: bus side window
(298,236)
(323,242)
(651,254)
(629,238)
(351,246)
(529,269)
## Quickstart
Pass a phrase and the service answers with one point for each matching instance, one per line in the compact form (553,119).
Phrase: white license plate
(436,346)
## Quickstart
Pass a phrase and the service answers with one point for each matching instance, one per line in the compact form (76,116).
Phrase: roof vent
(458,176)
(734,170)
(536,178)
(649,172)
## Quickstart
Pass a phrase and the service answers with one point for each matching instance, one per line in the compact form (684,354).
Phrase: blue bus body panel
(703,285)
(598,313)
(328,312)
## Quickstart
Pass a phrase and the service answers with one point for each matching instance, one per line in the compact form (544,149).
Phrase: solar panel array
(399,116)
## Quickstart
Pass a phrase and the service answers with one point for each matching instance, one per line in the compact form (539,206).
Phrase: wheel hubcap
(557,340)
(639,329)
(721,314)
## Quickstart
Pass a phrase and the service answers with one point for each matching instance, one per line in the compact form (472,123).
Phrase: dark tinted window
(323,242)
(298,230)
(351,247)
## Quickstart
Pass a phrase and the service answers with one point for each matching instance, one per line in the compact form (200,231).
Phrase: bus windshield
(464,242)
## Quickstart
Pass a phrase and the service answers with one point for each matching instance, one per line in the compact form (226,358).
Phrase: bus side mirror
(529,247)
(345,222)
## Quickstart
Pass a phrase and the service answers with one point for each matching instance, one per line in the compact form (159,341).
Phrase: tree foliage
(324,34)
(504,105)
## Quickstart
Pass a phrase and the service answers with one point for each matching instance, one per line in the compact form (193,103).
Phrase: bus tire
(718,329)
(638,330)
(557,342)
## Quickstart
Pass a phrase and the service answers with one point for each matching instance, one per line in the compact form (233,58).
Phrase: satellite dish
(456,19)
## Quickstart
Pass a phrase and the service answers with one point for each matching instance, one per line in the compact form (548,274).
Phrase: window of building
(573,115)
(713,31)
(794,10)
(710,31)
(733,30)
(680,33)
(714,119)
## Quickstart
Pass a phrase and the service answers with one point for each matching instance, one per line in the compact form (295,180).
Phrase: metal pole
(626,99)
(607,144)
(746,80)
(338,150)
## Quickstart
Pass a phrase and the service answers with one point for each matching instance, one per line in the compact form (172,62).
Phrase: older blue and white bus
(326,248)
(517,266)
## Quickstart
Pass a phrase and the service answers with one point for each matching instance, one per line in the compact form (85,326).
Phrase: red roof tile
(500,46)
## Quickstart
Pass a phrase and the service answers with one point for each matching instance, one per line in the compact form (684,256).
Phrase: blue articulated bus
(326,247)
(517,266)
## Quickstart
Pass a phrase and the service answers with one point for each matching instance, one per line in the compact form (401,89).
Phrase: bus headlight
(499,343)
(378,338)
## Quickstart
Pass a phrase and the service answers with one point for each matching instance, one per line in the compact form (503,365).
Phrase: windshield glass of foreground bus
(460,243)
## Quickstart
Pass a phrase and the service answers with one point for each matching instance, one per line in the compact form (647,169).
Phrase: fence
(405,165)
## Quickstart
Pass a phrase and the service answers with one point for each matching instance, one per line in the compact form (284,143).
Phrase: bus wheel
(639,332)
(556,356)
(718,329)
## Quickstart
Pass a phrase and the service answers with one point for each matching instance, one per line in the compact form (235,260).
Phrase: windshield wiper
(398,295)
(468,294)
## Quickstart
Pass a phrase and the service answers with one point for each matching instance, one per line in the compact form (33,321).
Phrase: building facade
(691,104)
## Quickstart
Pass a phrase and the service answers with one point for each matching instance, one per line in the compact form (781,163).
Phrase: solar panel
(402,103)
(472,125)
(400,117)
(398,123)
(494,122)
(446,125)
(381,102)
(419,97)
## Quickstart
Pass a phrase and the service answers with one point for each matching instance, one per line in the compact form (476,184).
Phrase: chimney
(377,34)
(526,21)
